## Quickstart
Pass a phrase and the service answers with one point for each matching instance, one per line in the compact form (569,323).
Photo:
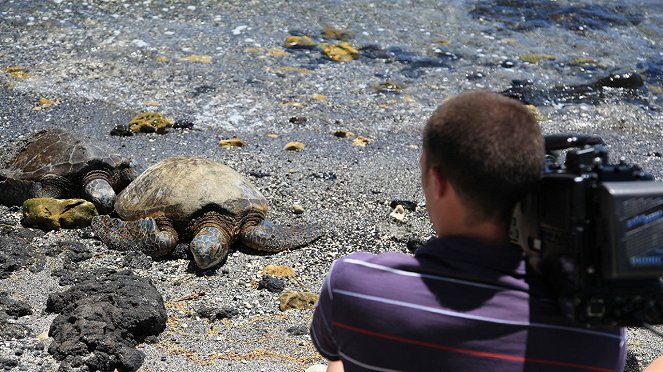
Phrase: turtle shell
(179,187)
(62,153)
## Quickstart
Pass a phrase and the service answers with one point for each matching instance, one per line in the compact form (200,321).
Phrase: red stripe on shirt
(469,351)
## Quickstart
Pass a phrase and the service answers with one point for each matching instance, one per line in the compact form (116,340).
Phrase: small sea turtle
(198,200)
(57,163)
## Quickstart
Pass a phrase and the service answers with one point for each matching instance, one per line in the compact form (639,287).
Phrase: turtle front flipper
(143,234)
(101,194)
(269,237)
(14,191)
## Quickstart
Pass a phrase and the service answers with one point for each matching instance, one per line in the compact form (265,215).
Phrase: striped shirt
(458,304)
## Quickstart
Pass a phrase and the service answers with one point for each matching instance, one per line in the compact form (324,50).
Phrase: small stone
(508,64)
(398,213)
(53,214)
(271,283)
(231,143)
(297,209)
(536,58)
(387,87)
(298,330)
(297,119)
(535,112)
(361,141)
(300,42)
(272,135)
(342,133)
(183,124)
(150,122)
(409,205)
(17,72)
(294,146)
(297,300)
(122,130)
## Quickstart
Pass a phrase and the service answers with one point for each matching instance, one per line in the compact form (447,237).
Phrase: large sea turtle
(58,163)
(198,200)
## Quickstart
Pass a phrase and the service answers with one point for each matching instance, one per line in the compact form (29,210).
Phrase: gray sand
(222,66)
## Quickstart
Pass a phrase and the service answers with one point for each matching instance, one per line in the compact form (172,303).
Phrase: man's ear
(439,182)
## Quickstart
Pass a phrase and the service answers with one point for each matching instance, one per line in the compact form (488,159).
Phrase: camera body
(595,232)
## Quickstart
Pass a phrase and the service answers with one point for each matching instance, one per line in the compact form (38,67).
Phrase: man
(467,300)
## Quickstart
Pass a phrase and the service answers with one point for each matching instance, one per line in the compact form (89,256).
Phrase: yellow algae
(319,97)
(388,87)
(535,112)
(231,143)
(408,99)
(536,58)
(294,146)
(276,52)
(442,42)
(253,50)
(162,59)
(283,70)
(584,61)
(341,52)
(149,122)
(151,103)
(198,58)
(44,103)
(273,135)
(280,271)
(17,72)
(361,141)
(294,42)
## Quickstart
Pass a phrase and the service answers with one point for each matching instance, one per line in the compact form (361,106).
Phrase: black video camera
(595,232)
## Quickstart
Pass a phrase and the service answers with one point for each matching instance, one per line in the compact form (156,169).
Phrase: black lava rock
(122,130)
(13,307)
(102,319)
(16,253)
(298,330)
(271,283)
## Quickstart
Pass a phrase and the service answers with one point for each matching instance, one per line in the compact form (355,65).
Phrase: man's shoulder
(364,265)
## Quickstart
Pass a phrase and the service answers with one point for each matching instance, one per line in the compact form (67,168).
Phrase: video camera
(595,232)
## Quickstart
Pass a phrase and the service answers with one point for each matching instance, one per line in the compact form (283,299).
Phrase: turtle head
(101,194)
(209,246)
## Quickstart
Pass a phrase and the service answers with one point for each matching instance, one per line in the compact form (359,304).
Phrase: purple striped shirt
(457,304)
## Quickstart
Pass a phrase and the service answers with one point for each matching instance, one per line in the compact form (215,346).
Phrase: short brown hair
(490,148)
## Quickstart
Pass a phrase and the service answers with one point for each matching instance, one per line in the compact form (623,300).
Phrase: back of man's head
(489,147)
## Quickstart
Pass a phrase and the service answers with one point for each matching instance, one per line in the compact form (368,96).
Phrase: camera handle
(563,141)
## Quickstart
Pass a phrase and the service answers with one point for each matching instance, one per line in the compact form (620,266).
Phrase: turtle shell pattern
(179,187)
(60,152)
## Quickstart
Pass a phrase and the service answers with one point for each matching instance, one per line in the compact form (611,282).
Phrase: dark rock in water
(122,130)
(626,86)
(271,283)
(203,89)
(508,64)
(183,124)
(375,52)
(13,307)
(213,313)
(297,119)
(523,15)
(102,319)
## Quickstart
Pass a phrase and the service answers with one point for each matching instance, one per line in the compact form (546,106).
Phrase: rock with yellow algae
(45,103)
(341,52)
(299,42)
(535,112)
(276,52)
(388,87)
(273,135)
(361,141)
(343,133)
(17,71)
(297,300)
(231,143)
(294,146)
(536,58)
(150,122)
(54,214)
(280,271)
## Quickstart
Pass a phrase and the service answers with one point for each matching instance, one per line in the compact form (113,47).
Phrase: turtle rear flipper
(14,191)
(269,237)
(143,234)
